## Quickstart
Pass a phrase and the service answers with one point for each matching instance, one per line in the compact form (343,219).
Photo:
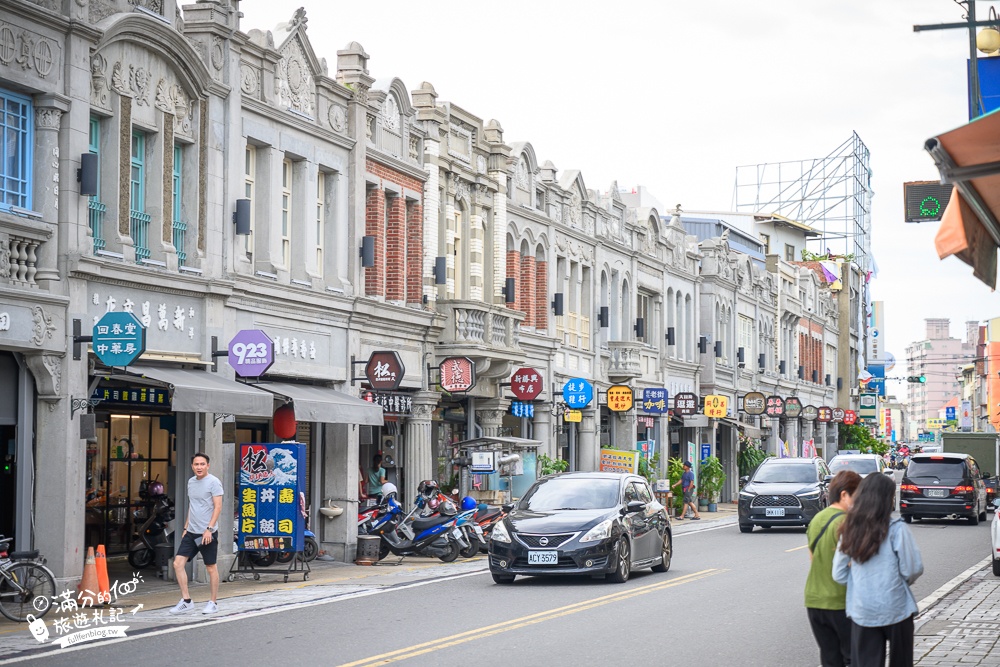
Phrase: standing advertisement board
(271,478)
(618,460)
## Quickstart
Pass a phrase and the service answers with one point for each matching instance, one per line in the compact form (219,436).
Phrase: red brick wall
(375,226)
(395,249)
(514,271)
(811,351)
(541,294)
(414,254)
(526,290)
(398,270)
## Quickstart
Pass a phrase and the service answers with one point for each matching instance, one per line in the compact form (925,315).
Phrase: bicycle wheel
(27,589)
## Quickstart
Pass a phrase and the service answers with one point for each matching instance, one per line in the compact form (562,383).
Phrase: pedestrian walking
(686,483)
(201,533)
(825,598)
(877,559)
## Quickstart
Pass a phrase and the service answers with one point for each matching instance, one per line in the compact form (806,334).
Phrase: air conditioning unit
(855,392)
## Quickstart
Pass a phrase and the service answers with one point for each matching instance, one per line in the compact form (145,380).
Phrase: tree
(858,437)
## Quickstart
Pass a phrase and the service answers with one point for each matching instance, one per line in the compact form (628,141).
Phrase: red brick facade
(526,291)
(397,225)
(541,294)
(811,350)
(514,271)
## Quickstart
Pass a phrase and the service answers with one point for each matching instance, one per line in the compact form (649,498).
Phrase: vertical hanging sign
(271,478)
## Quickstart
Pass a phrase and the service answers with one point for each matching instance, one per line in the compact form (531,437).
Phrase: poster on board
(267,509)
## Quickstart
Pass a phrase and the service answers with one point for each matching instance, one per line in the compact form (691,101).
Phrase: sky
(675,95)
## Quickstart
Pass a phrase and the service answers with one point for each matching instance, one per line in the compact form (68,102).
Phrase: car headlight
(500,533)
(601,531)
(747,494)
(809,495)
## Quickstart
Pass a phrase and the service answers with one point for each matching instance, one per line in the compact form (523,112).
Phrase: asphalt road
(728,599)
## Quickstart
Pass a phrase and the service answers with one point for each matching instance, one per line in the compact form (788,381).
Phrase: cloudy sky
(675,95)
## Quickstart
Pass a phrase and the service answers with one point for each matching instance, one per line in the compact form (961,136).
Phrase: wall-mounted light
(761,359)
(827,379)
(781,367)
(718,349)
(840,383)
(670,335)
(241,217)
(86,175)
(440,270)
(367,251)
(802,372)
(703,344)
(603,316)
(509,291)
(640,327)
(557,304)
(815,376)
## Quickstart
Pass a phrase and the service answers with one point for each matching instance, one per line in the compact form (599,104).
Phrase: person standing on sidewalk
(877,559)
(201,533)
(376,478)
(687,486)
(825,598)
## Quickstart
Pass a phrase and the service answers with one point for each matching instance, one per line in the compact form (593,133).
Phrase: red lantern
(284,422)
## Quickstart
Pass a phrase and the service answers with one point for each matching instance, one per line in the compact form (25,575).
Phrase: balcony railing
(624,359)
(139,229)
(96,213)
(23,254)
(481,325)
(388,141)
(180,230)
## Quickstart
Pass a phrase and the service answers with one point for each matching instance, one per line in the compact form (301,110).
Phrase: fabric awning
(324,405)
(969,157)
(201,391)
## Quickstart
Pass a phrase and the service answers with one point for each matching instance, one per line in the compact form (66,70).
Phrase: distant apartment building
(938,358)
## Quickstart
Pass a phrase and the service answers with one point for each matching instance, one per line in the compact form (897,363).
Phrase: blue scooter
(437,535)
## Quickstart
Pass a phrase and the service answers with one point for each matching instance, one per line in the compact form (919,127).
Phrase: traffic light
(917,378)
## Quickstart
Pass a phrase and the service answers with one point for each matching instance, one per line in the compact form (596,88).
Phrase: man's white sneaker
(210,608)
(182,607)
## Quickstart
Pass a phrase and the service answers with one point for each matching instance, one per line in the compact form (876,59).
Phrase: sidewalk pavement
(962,628)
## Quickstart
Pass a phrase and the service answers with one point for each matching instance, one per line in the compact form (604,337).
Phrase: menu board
(268,517)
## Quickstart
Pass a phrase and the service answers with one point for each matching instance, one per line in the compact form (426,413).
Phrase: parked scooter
(153,531)
(487,517)
(310,548)
(432,502)
(405,535)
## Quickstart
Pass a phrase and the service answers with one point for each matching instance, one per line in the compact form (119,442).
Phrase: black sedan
(783,492)
(596,523)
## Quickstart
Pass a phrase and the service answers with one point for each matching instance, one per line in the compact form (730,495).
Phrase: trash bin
(368,547)
(164,552)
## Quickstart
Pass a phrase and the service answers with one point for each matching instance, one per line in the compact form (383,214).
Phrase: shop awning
(201,391)
(750,431)
(969,157)
(324,405)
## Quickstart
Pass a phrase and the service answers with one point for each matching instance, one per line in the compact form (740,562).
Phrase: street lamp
(988,39)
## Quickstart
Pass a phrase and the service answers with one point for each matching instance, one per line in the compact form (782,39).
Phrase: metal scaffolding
(832,194)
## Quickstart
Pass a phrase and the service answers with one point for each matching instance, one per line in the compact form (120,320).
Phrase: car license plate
(937,493)
(479,530)
(543,558)
(774,511)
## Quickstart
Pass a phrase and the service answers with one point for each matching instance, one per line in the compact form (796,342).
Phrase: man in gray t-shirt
(201,533)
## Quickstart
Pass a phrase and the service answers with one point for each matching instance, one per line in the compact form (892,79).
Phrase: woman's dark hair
(867,524)
(845,480)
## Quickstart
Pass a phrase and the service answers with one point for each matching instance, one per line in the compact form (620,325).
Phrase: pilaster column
(542,425)
(794,441)
(419,461)
(587,443)
(491,416)
(45,197)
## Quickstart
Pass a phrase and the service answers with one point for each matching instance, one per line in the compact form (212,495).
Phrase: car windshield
(798,473)
(860,466)
(570,493)
(940,472)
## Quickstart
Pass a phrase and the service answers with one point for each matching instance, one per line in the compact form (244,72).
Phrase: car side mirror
(828,479)
(507,508)
(744,479)
(634,506)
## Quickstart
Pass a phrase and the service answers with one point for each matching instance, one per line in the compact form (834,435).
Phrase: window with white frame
(789,252)
(16,119)
(320,220)
(249,181)
(829,364)
(644,311)
(746,337)
(286,213)
(766,240)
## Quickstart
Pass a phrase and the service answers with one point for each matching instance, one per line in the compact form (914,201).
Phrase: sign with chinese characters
(838,414)
(647,448)
(774,406)
(268,515)
(251,353)
(793,407)
(526,384)
(706,450)
(617,460)
(174,323)
(850,417)
(869,406)
(716,406)
(521,409)
(392,403)
(935,423)
(578,393)
(119,338)
(619,398)
(149,396)
(754,403)
(824,414)
(809,413)
(655,400)
(384,370)
(685,403)
(574,416)
(458,374)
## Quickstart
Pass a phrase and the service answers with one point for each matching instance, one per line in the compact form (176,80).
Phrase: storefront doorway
(8,443)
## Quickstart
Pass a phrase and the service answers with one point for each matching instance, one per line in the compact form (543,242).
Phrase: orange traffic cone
(88,588)
(102,574)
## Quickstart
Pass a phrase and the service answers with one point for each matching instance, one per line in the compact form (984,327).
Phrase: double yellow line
(524,621)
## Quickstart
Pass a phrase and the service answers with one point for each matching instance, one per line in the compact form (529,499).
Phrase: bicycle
(27,588)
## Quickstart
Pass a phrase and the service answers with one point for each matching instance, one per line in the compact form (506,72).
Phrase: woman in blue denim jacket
(878,559)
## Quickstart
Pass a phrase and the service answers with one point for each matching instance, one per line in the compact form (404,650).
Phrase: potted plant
(675,468)
(711,479)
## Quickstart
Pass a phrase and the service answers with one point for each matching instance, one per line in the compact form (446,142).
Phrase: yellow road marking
(788,551)
(515,623)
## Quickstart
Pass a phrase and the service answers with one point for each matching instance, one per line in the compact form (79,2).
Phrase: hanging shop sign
(869,406)
(686,403)
(809,413)
(251,353)
(118,338)
(522,409)
(850,417)
(619,398)
(458,374)
(575,416)
(775,406)
(839,414)
(578,393)
(392,403)
(385,370)
(149,396)
(526,384)
(824,414)
(754,403)
(655,400)
(793,407)
(617,460)
(271,477)
(716,406)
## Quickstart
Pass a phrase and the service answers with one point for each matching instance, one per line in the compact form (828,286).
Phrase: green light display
(925,201)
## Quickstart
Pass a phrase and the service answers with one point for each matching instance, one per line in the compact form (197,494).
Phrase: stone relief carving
(28,49)
(421,411)
(47,371)
(47,118)
(338,118)
(390,114)
(151,5)
(51,5)
(43,327)
(414,149)
(99,81)
(574,208)
(295,81)
(521,174)
(134,83)
(461,189)
(481,164)
(370,128)
(170,98)
(249,79)
(218,52)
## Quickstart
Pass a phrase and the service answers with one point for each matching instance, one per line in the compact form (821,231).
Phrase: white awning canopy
(324,405)
(201,391)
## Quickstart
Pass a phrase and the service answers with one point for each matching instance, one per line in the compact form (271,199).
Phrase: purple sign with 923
(251,353)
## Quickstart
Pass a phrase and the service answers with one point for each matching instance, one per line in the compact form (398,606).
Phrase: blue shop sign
(521,409)
(655,401)
(119,338)
(578,393)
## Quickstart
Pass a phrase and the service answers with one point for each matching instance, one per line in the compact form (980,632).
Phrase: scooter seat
(420,525)
(487,513)
(23,555)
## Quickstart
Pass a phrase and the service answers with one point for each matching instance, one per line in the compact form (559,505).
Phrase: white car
(995,532)
(863,464)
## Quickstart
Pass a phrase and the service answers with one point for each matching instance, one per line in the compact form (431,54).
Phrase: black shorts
(689,496)
(189,549)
